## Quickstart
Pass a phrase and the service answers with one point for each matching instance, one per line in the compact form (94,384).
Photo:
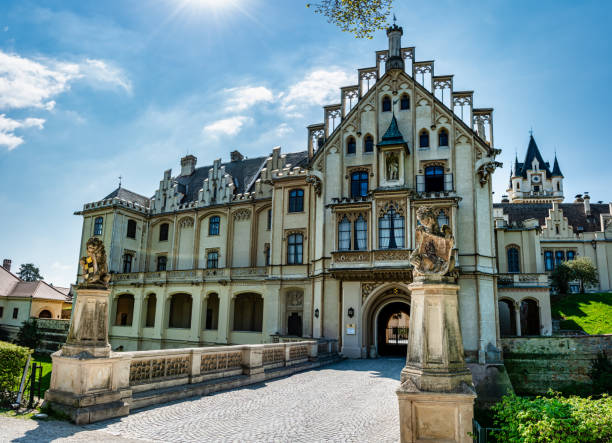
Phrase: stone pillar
(517,317)
(436,397)
(89,382)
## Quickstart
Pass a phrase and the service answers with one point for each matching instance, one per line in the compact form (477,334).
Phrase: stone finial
(236,156)
(188,164)
(433,255)
(94,267)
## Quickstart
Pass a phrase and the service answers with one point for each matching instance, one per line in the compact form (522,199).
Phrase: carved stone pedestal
(436,397)
(89,382)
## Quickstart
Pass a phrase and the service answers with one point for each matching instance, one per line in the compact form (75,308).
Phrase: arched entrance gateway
(386,316)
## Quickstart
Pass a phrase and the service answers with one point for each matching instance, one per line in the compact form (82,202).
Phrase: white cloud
(243,97)
(319,87)
(282,129)
(8,127)
(226,126)
(27,83)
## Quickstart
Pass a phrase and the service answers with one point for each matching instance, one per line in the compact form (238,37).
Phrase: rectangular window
(549,263)
(359,184)
(131,229)
(127,263)
(295,249)
(98,222)
(161,262)
(344,235)
(391,231)
(15,312)
(1,311)
(361,234)
(571,255)
(212,261)
(269,219)
(214,225)
(559,257)
(267,252)
(296,200)
(163,232)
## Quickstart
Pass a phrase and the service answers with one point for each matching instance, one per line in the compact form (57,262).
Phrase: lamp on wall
(594,243)
(351,312)
(316,313)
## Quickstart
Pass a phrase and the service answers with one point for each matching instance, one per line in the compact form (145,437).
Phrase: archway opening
(530,318)
(248,312)
(45,313)
(507,318)
(151,308)
(180,311)
(125,310)
(392,329)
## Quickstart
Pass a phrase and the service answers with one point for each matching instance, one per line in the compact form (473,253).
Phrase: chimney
(6,264)
(236,156)
(395,60)
(505,199)
(578,198)
(587,204)
(188,164)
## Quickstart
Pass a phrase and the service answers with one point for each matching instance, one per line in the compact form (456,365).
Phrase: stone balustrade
(164,375)
(522,280)
(190,275)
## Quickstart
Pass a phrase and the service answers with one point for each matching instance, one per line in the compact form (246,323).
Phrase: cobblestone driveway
(353,400)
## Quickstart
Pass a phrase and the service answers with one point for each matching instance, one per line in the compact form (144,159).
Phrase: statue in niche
(392,163)
(95,270)
(433,254)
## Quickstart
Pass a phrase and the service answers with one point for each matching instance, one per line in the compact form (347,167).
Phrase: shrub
(13,359)
(29,335)
(554,419)
(601,374)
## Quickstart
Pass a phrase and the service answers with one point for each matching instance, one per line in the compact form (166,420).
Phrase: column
(351,326)
(271,316)
(517,316)
(137,314)
(195,333)
(225,310)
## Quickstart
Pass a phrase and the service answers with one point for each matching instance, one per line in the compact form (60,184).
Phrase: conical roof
(533,152)
(556,172)
(392,136)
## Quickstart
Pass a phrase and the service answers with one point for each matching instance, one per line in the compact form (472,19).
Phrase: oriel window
(344,234)
(391,230)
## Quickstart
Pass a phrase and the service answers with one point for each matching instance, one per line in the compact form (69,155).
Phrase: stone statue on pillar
(86,381)
(436,396)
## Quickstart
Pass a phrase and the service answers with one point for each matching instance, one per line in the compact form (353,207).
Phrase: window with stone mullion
(361,234)
(344,234)
(391,230)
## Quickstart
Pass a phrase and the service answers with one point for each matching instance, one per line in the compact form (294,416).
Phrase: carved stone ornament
(95,270)
(486,170)
(433,255)
(316,184)
(242,214)
(186,222)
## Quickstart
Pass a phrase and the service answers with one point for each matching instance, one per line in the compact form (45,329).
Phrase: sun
(208,4)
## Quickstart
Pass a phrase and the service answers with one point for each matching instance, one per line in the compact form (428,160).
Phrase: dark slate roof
(130,196)
(574,212)
(532,152)
(392,136)
(556,172)
(244,172)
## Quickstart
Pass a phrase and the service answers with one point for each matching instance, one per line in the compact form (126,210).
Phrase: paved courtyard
(353,400)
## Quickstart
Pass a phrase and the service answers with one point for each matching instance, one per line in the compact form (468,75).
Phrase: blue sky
(93,90)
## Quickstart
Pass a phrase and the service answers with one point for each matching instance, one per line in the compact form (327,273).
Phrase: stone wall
(536,364)
(53,333)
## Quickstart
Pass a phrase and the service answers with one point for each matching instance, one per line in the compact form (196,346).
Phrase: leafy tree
(359,17)
(601,374)
(29,335)
(561,277)
(29,272)
(584,271)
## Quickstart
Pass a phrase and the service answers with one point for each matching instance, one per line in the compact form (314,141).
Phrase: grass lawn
(45,361)
(591,313)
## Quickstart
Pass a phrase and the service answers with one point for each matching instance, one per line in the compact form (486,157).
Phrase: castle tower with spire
(532,181)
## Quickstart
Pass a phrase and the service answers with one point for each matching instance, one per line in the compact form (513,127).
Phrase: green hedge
(554,419)
(12,361)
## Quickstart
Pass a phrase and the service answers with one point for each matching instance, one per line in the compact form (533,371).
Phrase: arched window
(405,102)
(295,249)
(163,232)
(558,186)
(391,230)
(514,265)
(359,184)
(424,139)
(386,104)
(368,143)
(131,229)
(212,312)
(125,310)
(344,234)
(559,257)
(571,255)
(296,200)
(45,313)
(127,262)
(151,308)
(442,219)
(98,222)
(351,146)
(214,225)
(361,234)
(549,263)
(530,318)
(162,261)
(248,313)
(507,318)
(434,179)
(443,137)
(180,311)
(518,186)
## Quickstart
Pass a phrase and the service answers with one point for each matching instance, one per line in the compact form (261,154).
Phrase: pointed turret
(533,152)
(393,136)
(556,172)
(395,60)
(517,167)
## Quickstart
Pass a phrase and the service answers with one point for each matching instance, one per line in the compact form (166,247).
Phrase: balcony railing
(522,280)
(442,183)
(190,275)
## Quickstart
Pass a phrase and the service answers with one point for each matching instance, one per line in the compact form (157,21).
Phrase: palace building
(316,243)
